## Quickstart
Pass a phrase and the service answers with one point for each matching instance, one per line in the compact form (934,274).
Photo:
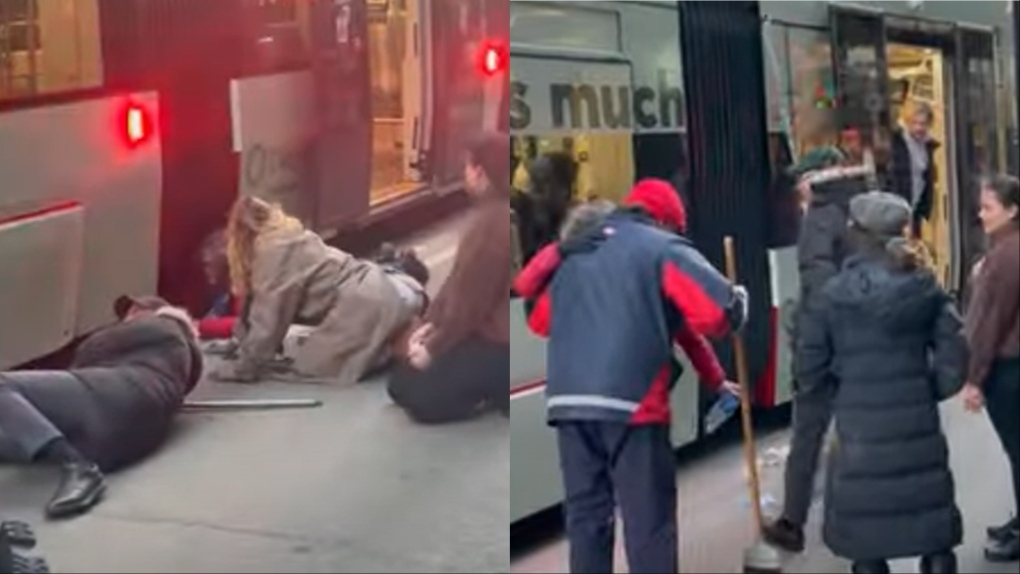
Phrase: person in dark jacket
(618,296)
(458,360)
(113,407)
(532,283)
(827,188)
(993,329)
(913,173)
(885,346)
(541,211)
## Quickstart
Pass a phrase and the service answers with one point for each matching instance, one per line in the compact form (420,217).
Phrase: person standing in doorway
(993,329)
(913,173)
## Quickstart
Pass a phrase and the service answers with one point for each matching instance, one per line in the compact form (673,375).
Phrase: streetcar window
(46,48)
(282,41)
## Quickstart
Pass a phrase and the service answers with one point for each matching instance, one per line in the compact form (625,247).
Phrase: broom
(759,558)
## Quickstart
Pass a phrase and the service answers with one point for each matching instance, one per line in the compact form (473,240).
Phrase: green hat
(817,160)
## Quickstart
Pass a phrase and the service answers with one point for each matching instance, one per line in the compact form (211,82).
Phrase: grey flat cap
(881,213)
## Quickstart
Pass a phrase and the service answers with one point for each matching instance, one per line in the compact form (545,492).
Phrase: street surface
(715,509)
(350,487)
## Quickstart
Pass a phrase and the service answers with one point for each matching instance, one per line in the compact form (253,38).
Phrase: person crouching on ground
(617,297)
(288,275)
(883,347)
(114,406)
(459,359)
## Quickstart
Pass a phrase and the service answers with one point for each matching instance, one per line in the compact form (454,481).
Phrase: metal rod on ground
(759,558)
(252,405)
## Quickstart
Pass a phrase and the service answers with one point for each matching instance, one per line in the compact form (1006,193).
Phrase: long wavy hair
(251,219)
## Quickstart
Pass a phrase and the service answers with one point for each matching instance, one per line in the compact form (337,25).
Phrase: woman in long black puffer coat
(893,340)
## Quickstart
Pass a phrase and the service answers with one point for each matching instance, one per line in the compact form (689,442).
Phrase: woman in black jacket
(888,343)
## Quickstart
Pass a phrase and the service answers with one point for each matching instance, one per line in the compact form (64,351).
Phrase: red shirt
(211,328)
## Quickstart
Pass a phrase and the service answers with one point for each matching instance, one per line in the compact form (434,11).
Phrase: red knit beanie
(661,200)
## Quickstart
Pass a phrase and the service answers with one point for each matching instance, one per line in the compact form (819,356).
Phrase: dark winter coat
(139,372)
(822,246)
(901,176)
(893,341)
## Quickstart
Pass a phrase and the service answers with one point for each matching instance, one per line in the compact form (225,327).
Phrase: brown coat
(352,305)
(993,318)
(475,301)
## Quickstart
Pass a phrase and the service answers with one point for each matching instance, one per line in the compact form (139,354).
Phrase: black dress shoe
(785,535)
(82,486)
(1002,533)
(1004,551)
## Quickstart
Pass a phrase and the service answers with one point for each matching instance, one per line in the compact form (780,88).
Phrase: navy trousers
(610,465)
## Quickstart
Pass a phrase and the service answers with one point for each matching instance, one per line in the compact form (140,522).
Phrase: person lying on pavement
(114,406)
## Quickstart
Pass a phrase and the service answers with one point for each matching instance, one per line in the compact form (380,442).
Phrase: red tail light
(137,125)
(494,59)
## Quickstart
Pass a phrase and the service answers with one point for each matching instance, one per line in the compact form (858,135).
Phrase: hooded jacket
(822,247)
(612,296)
(894,341)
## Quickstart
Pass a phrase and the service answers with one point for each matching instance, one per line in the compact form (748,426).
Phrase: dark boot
(1002,533)
(1004,551)
(785,535)
(870,567)
(82,486)
(940,564)
(18,534)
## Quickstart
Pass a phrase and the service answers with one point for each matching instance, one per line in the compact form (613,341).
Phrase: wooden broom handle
(743,379)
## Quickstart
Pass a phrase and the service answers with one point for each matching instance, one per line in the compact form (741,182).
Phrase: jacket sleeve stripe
(704,314)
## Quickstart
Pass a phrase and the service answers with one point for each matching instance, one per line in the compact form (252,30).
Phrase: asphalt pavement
(353,486)
(715,508)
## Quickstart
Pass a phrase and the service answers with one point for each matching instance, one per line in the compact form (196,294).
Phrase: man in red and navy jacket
(611,298)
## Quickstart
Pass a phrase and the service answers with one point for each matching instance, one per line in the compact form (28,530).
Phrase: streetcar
(721,98)
(128,127)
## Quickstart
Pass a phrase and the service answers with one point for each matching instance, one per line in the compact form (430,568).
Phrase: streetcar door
(861,70)
(342,157)
(977,138)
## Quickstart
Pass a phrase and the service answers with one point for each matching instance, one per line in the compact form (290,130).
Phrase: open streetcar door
(861,72)
(976,113)
(342,156)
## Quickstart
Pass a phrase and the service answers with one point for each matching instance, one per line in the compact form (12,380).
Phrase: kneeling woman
(894,341)
(113,407)
(459,360)
(287,275)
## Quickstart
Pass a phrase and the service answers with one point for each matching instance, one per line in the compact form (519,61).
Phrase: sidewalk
(715,510)
(350,487)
